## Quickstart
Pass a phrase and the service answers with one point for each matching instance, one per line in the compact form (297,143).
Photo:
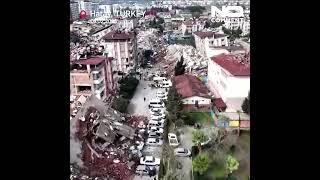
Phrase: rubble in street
(104,144)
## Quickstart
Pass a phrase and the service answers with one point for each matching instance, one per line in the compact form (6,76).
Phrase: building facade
(92,76)
(208,40)
(120,45)
(74,10)
(229,78)
(189,27)
(193,92)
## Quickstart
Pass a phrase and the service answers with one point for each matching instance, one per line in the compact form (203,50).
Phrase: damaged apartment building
(92,75)
(121,45)
(107,143)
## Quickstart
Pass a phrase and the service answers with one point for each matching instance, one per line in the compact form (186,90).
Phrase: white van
(166,84)
(156,103)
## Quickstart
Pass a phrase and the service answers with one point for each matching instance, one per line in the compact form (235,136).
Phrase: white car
(162,115)
(155,135)
(182,152)
(155,129)
(162,95)
(154,142)
(157,110)
(173,140)
(150,161)
(157,118)
(144,170)
(156,124)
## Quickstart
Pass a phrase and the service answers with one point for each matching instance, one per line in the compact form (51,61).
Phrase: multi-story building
(232,16)
(207,40)
(189,27)
(121,46)
(74,10)
(229,79)
(92,76)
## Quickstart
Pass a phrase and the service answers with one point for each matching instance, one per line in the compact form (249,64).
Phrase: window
(191,100)
(127,59)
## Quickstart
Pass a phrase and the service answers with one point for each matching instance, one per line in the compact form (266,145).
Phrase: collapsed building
(104,144)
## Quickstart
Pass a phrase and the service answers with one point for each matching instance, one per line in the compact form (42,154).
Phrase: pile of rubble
(195,61)
(103,143)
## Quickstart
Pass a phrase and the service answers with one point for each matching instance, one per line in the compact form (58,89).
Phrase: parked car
(156,124)
(155,129)
(154,142)
(156,103)
(173,140)
(150,161)
(155,135)
(157,110)
(183,152)
(161,95)
(162,115)
(145,170)
(157,118)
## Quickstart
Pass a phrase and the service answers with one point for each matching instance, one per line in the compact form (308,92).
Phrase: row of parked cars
(155,133)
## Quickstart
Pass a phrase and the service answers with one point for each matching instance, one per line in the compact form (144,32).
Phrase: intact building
(74,10)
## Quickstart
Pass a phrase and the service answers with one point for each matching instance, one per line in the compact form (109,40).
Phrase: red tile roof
(92,60)
(232,65)
(218,102)
(209,34)
(115,35)
(188,86)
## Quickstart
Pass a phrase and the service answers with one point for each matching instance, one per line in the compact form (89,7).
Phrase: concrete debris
(196,63)
(106,145)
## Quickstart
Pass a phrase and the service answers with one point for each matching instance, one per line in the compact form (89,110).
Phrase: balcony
(99,89)
(98,81)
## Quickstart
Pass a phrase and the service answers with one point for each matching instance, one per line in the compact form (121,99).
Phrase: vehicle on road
(173,140)
(156,103)
(154,142)
(155,129)
(157,110)
(155,135)
(166,84)
(150,161)
(162,95)
(157,118)
(182,152)
(156,124)
(145,170)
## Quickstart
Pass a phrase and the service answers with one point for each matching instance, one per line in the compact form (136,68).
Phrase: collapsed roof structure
(102,142)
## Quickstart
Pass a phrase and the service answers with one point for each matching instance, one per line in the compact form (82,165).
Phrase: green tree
(198,137)
(120,104)
(175,107)
(180,68)
(201,163)
(128,86)
(231,163)
(246,104)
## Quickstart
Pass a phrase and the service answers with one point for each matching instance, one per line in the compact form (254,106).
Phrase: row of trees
(202,161)
(128,86)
